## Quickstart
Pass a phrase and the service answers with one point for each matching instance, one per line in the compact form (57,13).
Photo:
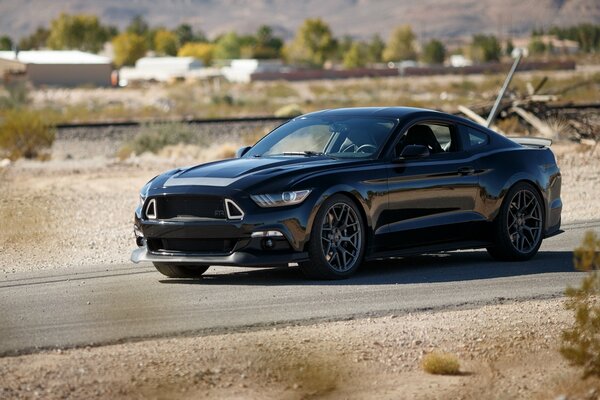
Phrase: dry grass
(438,363)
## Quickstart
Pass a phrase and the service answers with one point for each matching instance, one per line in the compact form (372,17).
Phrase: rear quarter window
(473,138)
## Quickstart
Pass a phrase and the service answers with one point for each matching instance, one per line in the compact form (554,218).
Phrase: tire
(180,271)
(518,228)
(337,243)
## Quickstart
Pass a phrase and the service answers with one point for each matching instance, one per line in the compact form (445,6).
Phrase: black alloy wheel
(337,240)
(519,225)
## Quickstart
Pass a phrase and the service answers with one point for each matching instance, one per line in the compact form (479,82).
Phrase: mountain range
(357,18)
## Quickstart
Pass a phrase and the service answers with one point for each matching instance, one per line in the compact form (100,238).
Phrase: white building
(458,60)
(242,70)
(162,69)
(57,67)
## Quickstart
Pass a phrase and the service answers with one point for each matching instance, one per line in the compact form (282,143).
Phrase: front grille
(191,245)
(169,207)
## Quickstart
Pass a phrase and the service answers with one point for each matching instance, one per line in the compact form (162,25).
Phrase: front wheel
(337,241)
(519,225)
(180,271)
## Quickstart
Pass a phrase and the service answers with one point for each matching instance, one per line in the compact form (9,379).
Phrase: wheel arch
(529,181)
(354,196)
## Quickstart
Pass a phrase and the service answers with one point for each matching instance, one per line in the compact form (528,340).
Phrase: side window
(475,138)
(438,138)
(443,135)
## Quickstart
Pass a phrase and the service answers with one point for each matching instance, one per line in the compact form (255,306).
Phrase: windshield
(340,137)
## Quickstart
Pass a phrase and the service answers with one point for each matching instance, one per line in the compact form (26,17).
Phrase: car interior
(437,138)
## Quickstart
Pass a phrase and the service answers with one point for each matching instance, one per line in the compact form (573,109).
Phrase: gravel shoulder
(505,350)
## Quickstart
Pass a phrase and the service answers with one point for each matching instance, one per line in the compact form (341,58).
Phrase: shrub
(581,342)
(438,363)
(25,133)
(154,137)
(290,110)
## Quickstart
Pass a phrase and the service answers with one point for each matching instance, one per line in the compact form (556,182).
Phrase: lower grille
(191,245)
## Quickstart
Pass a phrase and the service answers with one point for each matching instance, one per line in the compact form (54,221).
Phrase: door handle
(466,170)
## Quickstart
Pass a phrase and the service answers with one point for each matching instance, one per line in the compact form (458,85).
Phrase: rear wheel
(337,241)
(180,271)
(519,226)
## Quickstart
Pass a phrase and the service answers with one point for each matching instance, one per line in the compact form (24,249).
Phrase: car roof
(389,112)
(406,115)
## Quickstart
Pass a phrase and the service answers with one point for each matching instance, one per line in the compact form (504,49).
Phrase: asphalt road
(96,305)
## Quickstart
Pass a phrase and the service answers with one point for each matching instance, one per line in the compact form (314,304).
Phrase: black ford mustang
(330,189)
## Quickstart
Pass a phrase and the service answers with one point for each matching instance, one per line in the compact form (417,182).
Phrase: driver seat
(424,136)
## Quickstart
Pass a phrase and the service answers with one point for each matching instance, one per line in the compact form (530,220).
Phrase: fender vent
(151,209)
(233,210)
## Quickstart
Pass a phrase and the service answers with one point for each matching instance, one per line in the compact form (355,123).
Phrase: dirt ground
(69,212)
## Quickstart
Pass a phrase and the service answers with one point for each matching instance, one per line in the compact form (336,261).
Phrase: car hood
(243,173)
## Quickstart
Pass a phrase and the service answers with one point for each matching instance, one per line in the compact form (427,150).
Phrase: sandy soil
(78,211)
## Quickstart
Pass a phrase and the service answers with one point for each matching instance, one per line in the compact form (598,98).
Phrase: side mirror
(241,151)
(413,151)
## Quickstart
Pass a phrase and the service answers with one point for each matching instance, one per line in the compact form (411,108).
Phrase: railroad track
(198,121)
(265,118)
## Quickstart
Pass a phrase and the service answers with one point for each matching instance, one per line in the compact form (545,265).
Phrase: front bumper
(239,258)
(225,241)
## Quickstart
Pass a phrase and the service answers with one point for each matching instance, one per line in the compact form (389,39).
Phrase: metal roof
(54,57)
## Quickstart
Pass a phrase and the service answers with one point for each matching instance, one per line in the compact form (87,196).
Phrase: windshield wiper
(307,153)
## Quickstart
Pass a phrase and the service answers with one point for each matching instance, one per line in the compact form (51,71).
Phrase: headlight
(280,199)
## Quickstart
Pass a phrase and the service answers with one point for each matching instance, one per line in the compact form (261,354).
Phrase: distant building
(163,69)
(56,67)
(458,61)
(242,70)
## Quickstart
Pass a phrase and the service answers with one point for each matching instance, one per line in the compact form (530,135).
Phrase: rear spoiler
(532,141)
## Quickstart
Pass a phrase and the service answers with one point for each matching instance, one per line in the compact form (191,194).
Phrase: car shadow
(430,268)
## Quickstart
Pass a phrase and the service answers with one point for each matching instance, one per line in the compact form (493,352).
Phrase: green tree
(36,40)
(401,45)
(509,48)
(356,56)
(165,42)
(185,34)
(6,43)
(228,47)
(313,44)
(267,45)
(434,52)
(375,49)
(485,48)
(201,51)
(139,26)
(82,32)
(128,48)
(536,46)
(343,46)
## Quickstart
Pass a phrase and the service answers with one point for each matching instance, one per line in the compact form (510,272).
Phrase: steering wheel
(347,148)
(365,146)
